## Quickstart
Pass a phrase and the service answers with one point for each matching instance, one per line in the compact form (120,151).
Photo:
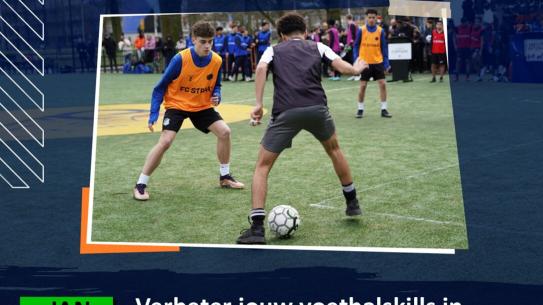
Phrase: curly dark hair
(202,29)
(291,23)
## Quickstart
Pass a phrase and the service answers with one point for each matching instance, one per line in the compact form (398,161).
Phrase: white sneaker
(351,78)
(248,79)
(231,78)
(357,78)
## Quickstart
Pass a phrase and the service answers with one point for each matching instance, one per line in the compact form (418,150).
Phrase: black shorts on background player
(377,71)
(439,59)
(173,119)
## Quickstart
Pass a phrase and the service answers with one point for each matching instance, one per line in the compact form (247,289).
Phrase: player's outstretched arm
(172,71)
(346,68)
(260,83)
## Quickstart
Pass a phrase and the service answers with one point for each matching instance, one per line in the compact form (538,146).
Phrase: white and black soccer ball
(283,220)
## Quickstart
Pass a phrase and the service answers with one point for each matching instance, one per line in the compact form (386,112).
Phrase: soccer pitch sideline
(405,170)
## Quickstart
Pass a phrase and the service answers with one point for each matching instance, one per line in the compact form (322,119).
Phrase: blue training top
(219,44)
(263,40)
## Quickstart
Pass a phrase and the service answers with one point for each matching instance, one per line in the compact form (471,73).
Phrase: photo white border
(195,245)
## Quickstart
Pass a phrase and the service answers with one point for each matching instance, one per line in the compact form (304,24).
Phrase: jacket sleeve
(384,49)
(356,46)
(172,72)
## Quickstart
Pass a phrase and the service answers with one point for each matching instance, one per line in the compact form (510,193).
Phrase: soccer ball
(254,122)
(283,220)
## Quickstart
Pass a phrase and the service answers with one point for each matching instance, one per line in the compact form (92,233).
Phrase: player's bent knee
(331,146)
(224,133)
(165,144)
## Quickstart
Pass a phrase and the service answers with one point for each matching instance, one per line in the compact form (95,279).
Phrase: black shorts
(173,119)
(377,71)
(439,59)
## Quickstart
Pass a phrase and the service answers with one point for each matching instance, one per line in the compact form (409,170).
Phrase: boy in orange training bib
(190,88)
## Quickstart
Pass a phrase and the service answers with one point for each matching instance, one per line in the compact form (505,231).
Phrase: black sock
(257,217)
(349,191)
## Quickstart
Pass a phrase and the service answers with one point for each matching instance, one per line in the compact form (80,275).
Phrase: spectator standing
(463,45)
(139,44)
(487,53)
(333,38)
(439,52)
(188,42)
(262,40)
(83,54)
(350,32)
(476,45)
(110,46)
(219,47)
(180,44)
(125,46)
(150,45)
(231,50)
(315,34)
(325,39)
(168,51)
(242,53)
(157,57)
(427,40)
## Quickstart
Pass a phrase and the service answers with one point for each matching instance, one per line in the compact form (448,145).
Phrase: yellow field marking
(124,119)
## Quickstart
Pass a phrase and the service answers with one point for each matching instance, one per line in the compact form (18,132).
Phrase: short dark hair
(264,23)
(349,17)
(203,29)
(291,23)
(371,11)
(439,21)
(219,28)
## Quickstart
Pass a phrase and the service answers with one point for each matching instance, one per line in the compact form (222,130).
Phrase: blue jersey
(263,40)
(188,41)
(219,44)
(247,40)
(231,39)
(242,43)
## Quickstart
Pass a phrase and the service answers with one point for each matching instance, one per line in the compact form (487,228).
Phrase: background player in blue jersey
(242,55)
(230,50)
(220,47)
(263,39)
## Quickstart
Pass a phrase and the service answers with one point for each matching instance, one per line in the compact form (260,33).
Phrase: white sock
(348,188)
(360,106)
(383,105)
(143,179)
(224,169)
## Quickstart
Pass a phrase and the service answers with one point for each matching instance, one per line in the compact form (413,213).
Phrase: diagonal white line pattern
(40,71)
(40,106)
(35,52)
(28,80)
(26,157)
(41,140)
(25,185)
(40,35)
(41,175)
